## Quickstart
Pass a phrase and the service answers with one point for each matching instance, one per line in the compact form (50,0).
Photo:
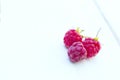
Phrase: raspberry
(77,52)
(92,46)
(71,36)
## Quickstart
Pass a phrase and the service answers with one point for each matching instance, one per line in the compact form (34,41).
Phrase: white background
(31,41)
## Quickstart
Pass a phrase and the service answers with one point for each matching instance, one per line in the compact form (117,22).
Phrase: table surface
(31,39)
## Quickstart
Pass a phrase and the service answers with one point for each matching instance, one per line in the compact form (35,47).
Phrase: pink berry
(77,52)
(92,46)
(70,37)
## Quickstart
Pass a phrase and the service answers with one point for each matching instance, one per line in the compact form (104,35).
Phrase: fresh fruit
(77,52)
(92,45)
(72,36)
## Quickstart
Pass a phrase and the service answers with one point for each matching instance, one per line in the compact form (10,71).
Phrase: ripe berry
(92,46)
(77,52)
(72,36)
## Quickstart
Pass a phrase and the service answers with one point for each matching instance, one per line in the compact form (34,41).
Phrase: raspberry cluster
(80,47)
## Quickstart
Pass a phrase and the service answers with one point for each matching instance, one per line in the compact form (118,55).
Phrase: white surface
(110,9)
(31,41)
(0,10)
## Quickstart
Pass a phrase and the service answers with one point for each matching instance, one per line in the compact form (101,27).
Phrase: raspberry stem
(96,37)
(79,30)
(98,32)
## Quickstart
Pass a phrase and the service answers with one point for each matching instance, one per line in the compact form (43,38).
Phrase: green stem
(98,32)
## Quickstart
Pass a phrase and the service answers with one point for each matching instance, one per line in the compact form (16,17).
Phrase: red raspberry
(70,37)
(77,52)
(92,46)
